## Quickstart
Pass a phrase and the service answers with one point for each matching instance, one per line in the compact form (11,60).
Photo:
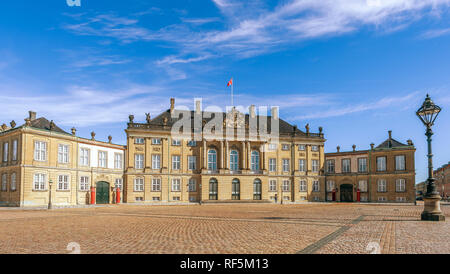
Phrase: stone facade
(442,176)
(381,174)
(39,152)
(166,167)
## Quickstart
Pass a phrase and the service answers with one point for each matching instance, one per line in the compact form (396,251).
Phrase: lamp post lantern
(428,113)
(50,183)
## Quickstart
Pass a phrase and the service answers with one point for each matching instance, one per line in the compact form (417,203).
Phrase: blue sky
(358,68)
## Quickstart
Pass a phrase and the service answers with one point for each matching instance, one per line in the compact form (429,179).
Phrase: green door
(347,193)
(102,195)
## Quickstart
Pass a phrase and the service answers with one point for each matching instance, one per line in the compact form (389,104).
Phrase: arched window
(212,160)
(257,189)
(235,190)
(213,189)
(234,160)
(255,161)
(13,182)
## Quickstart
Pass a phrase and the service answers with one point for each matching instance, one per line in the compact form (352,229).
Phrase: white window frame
(40,151)
(40,181)
(192,162)
(156,141)
(139,141)
(272,185)
(176,142)
(400,165)
(362,185)
(316,186)
(138,184)
(344,169)
(331,185)
(314,148)
(176,185)
(85,155)
(381,165)
(286,165)
(176,162)
(329,165)
(84,183)
(102,161)
(156,184)
(5,151)
(139,161)
(63,182)
(254,160)
(400,185)
(272,146)
(118,183)
(118,160)
(234,165)
(302,147)
(273,164)
(362,162)
(13,184)
(382,185)
(315,165)
(302,165)
(286,186)
(14,150)
(212,163)
(285,147)
(4,182)
(303,186)
(156,161)
(192,185)
(63,154)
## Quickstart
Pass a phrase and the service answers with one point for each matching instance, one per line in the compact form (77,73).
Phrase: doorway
(346,193)
(102,194)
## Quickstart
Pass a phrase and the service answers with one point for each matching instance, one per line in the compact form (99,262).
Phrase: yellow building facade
(39,156)
(165,166)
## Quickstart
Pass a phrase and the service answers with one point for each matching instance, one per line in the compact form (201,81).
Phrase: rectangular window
(40,151)
(118,183)
(400,162)
(176,162)
(400,185)
(381,185)
(285,147)
(362,185)
(156,161)
(362,165)
(39,181)
(13,182)
(346,166)
(84,156)
(84,183)
(139,161)
(192,185)
(302,147)
(302,165)
(5,152)
(315,165)
(63,182)
(118,161)
(272,146)
(330,166)
(176,142)
(156,184)
(316,186)
(314,148)
(330,186)
(286,165)
(303,186)
(4,182)
(192,162)
(14,149)
(272,185)
(286,186)
(192,143)
(176,185)
(139,141)
(63,154)
(102,159)
(156,141)
(381,163)
(272,164)
(138,184)
(156,199)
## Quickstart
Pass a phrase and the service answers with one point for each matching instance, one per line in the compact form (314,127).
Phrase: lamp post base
(432,210)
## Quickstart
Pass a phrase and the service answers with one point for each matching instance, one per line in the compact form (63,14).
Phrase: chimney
(274,113)
(338,148)
(32,115)
(198,106)
(390,134)
(252,111)
(354,148)
(172,104)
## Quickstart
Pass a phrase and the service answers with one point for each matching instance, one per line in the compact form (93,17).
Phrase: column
(227,154)
(204,155)
(222,156)
(243,156)
(249,155)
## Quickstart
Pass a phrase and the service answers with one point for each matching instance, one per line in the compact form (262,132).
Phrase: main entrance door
(102,195)
(235,190)
(346,193)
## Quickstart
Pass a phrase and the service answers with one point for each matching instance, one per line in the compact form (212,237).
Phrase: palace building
(163,166)
(39,153)
(442,177)
(385,173)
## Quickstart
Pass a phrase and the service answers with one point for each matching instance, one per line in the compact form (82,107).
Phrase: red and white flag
(230,83)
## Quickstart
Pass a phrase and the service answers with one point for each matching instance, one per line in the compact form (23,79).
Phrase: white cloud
(435,33)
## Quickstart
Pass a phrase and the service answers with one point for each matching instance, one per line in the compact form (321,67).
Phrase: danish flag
(230,83)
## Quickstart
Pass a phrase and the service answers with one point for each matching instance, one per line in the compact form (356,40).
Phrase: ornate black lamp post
(432,211)
(50,183)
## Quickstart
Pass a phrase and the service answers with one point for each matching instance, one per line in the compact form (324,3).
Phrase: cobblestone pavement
(226,228)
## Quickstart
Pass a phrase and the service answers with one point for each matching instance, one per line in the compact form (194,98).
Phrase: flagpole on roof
(232,84)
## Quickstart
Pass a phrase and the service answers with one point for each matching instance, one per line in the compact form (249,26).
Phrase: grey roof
(284,127)
(42,123)
(391,143)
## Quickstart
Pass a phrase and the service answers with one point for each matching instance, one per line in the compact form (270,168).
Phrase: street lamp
(50,183)
(428,113)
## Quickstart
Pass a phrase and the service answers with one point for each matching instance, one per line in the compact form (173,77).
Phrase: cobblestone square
(225,229)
